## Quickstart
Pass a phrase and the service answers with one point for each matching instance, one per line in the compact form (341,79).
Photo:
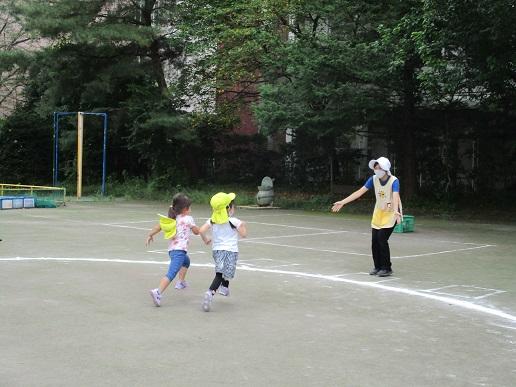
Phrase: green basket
(407,224)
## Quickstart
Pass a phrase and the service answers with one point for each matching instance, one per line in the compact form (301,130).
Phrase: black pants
(380,248)
(217,281)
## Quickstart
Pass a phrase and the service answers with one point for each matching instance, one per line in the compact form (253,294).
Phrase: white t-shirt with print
(180,241)
(224,237)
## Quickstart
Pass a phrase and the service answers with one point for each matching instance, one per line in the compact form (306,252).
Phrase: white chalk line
(487,291)
(443,252)
(299,227)
(134,222)
(163,251)
(361,254)
(444,299)
(324,231)
(122,226)
(293,235)
(328,232)
(306,248)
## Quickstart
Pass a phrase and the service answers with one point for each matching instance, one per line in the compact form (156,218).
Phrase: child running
(177,228)
(226,231)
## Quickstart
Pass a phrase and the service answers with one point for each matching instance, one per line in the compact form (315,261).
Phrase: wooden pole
(80,127)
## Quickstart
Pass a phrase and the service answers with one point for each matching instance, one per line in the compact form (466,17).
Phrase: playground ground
(75,307)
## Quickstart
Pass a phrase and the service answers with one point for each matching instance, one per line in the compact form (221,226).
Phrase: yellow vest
(383,215)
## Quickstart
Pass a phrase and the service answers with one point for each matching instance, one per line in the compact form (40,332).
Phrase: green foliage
(423,77)
(26,150)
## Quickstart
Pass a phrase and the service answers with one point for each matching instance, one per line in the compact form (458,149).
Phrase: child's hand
(207,241)
(149,239)
(398,217)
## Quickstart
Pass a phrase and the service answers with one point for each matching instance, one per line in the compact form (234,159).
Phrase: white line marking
(308,248)
(122,226)
(166,251)
(439,288)
(361,233)
(503,326)
(491,292)
(122,223)
(443,252)
(362,254)
(286,265)
(409,292)
(299,227)
(293,235)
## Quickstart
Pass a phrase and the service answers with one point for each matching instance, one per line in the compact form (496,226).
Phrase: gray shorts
(225,262)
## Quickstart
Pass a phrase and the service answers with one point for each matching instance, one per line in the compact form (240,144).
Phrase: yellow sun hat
(219,203)
(168,226)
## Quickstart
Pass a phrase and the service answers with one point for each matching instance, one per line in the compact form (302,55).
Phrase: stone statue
(265,195)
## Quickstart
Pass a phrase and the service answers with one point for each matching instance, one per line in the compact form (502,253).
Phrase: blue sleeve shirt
(395,185)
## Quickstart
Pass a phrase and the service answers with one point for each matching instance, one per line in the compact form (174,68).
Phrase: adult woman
(386,212)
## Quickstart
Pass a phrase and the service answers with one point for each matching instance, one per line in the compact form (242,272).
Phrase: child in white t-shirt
(226,230)
(177,227)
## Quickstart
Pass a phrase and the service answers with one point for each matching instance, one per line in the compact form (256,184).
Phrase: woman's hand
(149,239)
(337,206)
(398,217)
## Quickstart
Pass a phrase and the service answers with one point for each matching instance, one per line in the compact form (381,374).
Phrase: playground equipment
(13,196)
(80,131)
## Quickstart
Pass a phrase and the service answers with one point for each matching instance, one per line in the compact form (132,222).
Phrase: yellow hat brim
(220,216)
(168,226)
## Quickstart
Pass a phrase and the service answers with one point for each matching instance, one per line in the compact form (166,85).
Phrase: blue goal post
(57,116)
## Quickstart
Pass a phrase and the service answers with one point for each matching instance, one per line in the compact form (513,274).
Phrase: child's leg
(182,274)
(184,268)
(177,258)
(163,284)
(216,282)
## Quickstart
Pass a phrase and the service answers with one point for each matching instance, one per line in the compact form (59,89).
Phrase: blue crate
(6,202)
(29,202)
(17,202)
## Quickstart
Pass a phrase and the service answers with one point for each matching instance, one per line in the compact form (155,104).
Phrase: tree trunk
(408,151)
(153,53)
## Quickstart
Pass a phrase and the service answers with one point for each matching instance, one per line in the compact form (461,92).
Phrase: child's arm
(242,230)
(156,229)
(202,231)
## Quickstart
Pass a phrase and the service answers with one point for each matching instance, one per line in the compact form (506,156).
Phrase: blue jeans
(178,259)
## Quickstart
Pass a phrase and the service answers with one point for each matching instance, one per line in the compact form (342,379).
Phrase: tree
(14,46)
(111,56)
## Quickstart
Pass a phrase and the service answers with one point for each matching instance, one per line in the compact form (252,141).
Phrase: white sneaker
(206,302)
(224,291)
(181,285)
(156,296)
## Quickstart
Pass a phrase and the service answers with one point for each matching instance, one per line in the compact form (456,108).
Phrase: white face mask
(379,172)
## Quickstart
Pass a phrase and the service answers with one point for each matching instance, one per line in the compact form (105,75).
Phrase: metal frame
(55,171)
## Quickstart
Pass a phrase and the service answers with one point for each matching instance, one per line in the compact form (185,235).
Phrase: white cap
(383,162)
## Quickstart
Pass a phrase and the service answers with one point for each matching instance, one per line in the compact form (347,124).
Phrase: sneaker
(224,291)
(206,302)
(384,273)
(181,285)
(156,296)
(374,271)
